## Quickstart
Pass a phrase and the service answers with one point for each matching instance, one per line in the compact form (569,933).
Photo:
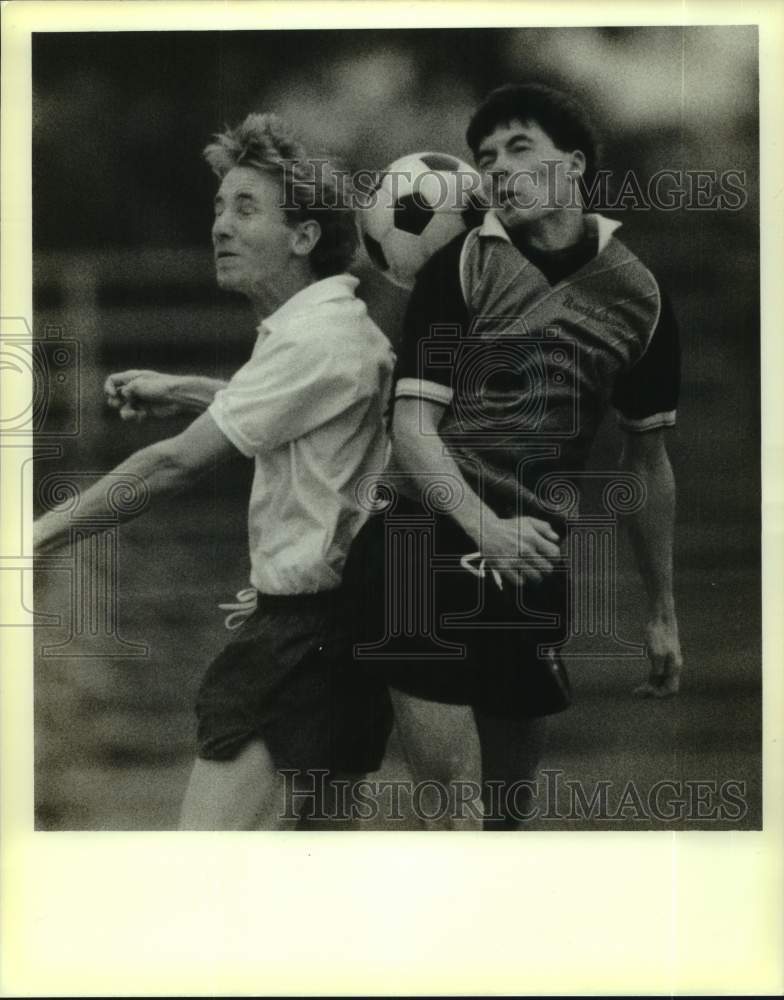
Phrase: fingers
(131,412)
(518,575)
(519,571)
(536,561)
(549,550)
(658,690)
(669,675)
(664,679)
(117,379)
(530,574)
(499,569)
(127,405)
(522,549)
(530,567)
(530,543)
(110,389)
(545,529)
(540,537)
(666,663)
(670,685)
(664,653)
(117,389)
(121,395)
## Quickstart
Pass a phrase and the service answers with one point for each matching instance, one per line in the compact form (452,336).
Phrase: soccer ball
(420,203)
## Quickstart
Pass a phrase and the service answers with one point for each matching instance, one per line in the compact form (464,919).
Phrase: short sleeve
(435,318)
(288,388)
(646,397)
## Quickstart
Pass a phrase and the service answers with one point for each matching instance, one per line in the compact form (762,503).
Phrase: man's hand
(664,653)
(522,549)
(138,394)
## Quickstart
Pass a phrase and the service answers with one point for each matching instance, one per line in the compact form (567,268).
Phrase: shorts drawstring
(239,613)
(479,571)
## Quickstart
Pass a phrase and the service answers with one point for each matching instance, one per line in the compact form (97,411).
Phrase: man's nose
(501,166)
(222,226)
(494,177)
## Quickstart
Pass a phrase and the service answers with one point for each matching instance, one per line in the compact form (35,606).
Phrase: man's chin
(516,217)
(227,282)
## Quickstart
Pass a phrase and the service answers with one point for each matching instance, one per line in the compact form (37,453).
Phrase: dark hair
(311,188)
(558,114)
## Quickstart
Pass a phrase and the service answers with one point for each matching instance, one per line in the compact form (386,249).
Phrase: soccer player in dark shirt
(546,281)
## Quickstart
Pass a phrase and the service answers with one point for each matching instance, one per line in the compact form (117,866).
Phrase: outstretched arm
(519,548)
(165,467)
(651,533)
(138,394)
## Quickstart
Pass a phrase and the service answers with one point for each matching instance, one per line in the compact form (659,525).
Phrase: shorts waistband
(295,602)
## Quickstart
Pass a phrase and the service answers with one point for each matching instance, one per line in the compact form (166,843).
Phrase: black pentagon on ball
(440,161)
(375,252)
(411,215)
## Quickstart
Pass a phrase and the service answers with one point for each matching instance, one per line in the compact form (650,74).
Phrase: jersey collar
(336,286)
(492,226)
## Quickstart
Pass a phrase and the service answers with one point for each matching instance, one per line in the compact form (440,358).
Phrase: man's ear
(578,162)
(305,236)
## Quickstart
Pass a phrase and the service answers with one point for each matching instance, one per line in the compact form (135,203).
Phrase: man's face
(250,236)
(524,175)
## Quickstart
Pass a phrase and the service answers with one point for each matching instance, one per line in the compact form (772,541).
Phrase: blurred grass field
(115,739)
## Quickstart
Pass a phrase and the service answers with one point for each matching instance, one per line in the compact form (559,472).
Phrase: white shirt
(310,408)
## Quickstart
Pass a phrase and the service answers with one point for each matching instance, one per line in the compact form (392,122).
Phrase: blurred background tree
(121,118)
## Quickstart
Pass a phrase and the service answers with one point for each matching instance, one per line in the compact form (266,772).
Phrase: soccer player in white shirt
(308,408)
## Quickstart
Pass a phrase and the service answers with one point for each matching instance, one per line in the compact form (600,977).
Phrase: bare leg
(245,793)
(441,746)
(511,752)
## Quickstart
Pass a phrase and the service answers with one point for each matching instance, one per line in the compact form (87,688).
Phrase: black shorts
(287,677)
(506,662)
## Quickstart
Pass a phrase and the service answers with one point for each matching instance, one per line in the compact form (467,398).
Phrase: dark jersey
(546,342)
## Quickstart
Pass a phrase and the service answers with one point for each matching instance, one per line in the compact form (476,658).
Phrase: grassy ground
(115,736)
